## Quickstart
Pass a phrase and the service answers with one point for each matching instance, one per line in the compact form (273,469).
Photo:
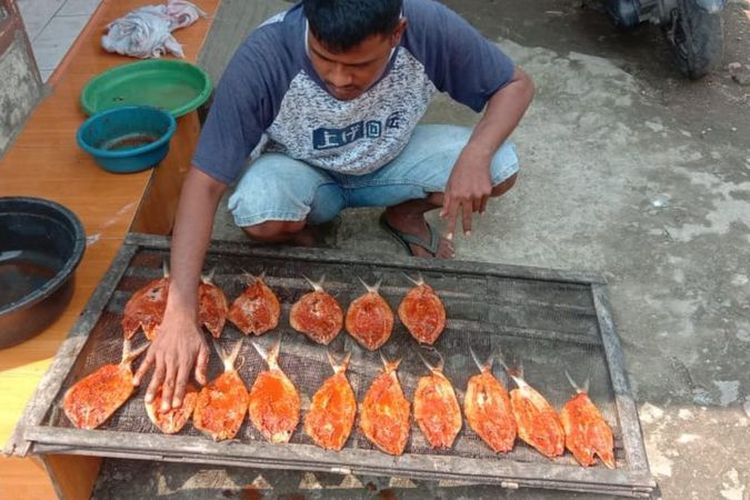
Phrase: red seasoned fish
(212,306)
(369,318)
(385,412)
(257,309)
(586,432)
(436,408)
(317,314)
(145,308)
(94,398)
(173,420)
(422,313)
(222,403)
(333,408)
(488,410)
(274,401)
(538,423)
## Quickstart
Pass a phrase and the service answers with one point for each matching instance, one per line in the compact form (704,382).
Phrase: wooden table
(45,161)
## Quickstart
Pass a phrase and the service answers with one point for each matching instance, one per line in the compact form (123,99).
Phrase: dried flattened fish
(94,398)
(317,314)
(222,403)
(257,309)
(488,409)
(422,312)
(369,318)
(586,432)
(145,308)
(212,306)
(385,411)
(436,408)
(274,404)
(333,408)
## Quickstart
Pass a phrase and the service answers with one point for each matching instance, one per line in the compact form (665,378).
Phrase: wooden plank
(24,478)
(73,476)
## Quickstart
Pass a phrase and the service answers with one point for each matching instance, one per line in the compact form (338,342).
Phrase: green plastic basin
(174,86)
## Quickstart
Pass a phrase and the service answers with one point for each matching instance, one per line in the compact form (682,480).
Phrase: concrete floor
(627,170)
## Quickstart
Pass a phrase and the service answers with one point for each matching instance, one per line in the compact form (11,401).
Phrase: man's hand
(468,189)
(179,346)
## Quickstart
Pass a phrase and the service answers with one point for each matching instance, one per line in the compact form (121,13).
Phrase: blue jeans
(279,188)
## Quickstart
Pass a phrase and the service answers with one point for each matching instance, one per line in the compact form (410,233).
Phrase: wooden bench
(45,161)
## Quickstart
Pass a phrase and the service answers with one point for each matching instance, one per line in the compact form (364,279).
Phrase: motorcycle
(693,28)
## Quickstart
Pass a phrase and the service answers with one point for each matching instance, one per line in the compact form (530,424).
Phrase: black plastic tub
(41,244)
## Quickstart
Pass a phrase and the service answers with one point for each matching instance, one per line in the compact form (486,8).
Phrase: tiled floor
(52,26)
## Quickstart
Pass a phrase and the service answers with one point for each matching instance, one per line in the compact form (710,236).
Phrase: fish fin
(339,365)
(316,285)
(486,366)
(437,367)
(389,366)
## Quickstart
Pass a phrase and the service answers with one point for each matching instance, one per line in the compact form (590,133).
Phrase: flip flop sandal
(409,239)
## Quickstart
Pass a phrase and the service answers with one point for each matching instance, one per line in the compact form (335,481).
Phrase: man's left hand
(468,189)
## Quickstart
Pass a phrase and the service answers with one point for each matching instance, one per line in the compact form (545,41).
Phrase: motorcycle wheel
(696,38)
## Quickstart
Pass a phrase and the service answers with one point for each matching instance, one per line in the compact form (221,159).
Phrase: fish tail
(437,367)
(339,365)
(483,367)
(165,268)
(271,355)
(516,372)
(209,278)
(389,366)
(128,354)
(417,282)
(316,285)
(579,389)
(371,289)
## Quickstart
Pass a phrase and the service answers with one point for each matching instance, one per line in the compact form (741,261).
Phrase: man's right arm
(180,344)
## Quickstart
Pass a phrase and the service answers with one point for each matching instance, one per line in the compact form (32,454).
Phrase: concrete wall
(20,84)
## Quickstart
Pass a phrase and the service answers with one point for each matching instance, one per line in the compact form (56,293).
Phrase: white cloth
(146,32)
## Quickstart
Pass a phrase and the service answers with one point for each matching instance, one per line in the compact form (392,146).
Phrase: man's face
(349,74)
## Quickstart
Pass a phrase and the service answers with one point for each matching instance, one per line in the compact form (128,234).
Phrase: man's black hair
(343,24)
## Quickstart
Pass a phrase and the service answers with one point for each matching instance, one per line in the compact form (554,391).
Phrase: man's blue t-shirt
(270,96)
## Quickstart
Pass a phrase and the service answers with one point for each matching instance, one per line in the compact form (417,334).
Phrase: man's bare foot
(414,224)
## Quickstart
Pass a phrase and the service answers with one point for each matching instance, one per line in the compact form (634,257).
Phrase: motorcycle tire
(697,39)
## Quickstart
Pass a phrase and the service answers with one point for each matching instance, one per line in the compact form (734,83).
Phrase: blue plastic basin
(127,139)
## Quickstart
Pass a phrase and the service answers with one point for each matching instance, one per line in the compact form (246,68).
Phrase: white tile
(56,38)
(79,7)
(37,13)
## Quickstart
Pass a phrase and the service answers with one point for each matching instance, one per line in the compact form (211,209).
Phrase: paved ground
(627,170)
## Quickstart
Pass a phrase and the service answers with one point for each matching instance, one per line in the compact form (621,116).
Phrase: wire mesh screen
(546,327)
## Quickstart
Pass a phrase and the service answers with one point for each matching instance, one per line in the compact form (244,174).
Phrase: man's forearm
(504,110)
(195,213)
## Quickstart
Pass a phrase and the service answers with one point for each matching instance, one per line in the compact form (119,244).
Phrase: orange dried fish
(222,403)
(488,410)
(94,398)
(586,432)
(333,408)
(436,408)
(538,423)
(369,318)
(422,312)
(257,309)
(173,420)
(145,308)
(274,401)
(212,306)
(317,314)
(385,411)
